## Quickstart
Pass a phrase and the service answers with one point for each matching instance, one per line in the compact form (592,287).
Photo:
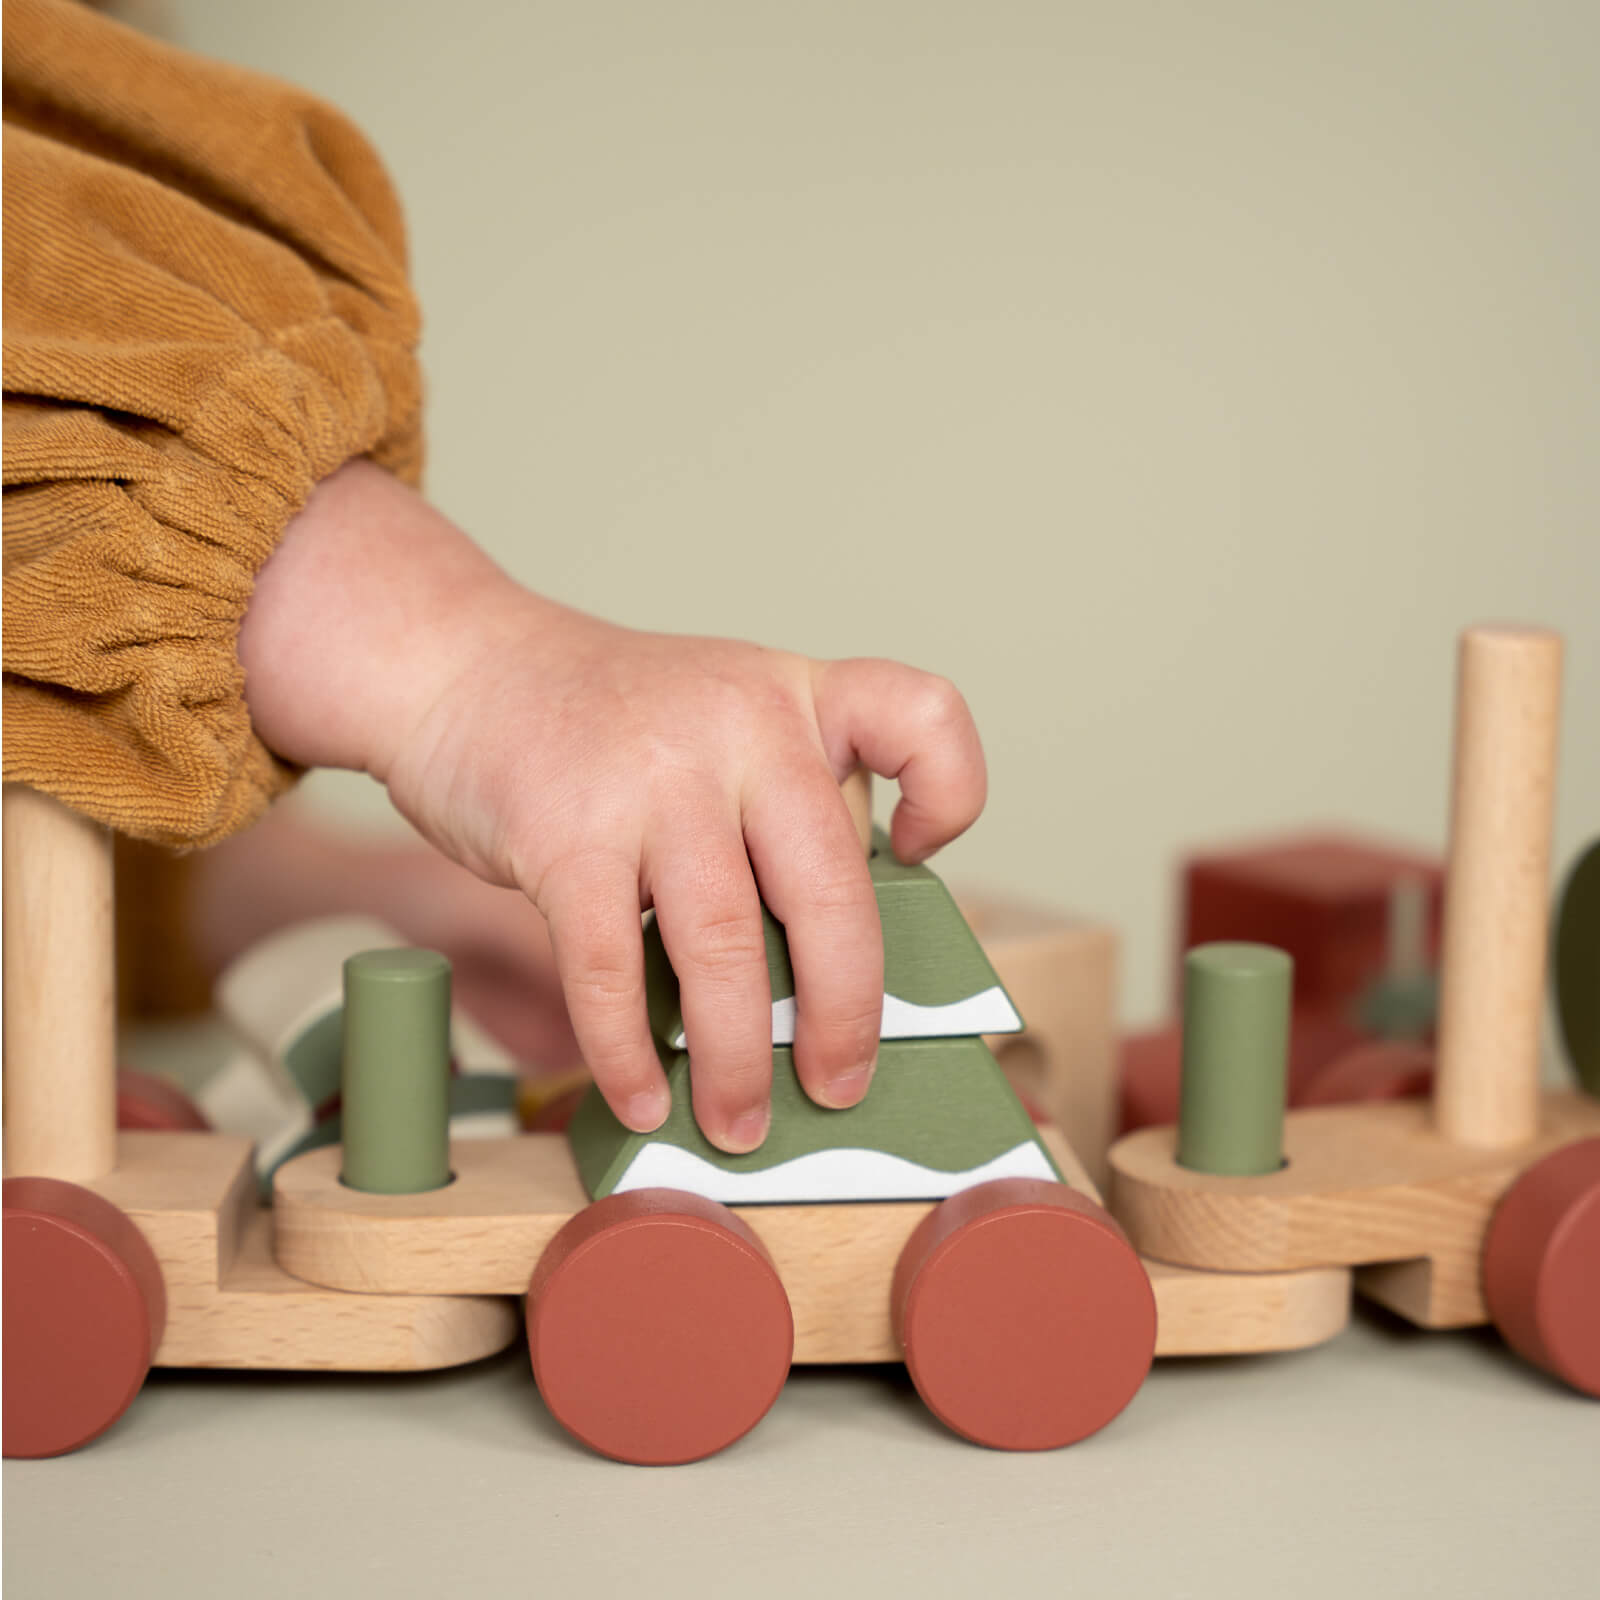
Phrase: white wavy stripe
(989,1011)
(823,1175)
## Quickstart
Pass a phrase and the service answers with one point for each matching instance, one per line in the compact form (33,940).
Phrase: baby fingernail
(648,1110)
(749,1128)
(848,1087)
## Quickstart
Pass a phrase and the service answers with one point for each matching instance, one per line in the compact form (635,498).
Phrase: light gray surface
(1387,1463)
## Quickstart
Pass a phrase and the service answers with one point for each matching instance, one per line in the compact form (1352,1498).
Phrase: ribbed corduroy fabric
(206,312)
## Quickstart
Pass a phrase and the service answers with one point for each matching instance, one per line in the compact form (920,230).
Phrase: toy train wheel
(1026,1317)
(658,1327)
(1541,1265)
(85,1309)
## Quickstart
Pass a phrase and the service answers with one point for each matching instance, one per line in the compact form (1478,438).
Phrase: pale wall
(1177,379)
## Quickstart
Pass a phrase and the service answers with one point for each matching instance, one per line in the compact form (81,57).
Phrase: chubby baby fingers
(595,931)
(710,920)
(912,726)
(814,878)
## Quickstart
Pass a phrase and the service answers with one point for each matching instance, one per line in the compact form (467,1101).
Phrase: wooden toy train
(665,1289)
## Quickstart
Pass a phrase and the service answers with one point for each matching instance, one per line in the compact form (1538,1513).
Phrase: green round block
(1235,1058)
(396,1092)
(1576,967)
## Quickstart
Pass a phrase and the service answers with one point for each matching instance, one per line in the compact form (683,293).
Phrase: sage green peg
(1235,1058)
(396,1079)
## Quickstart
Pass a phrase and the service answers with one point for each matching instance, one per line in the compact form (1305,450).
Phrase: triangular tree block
(936,979)
(939,1117)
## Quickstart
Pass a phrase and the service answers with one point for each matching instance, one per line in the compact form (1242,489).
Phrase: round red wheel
(659,1329)
(1389,1069)
(147,1102)
(85,1309)
(1026,1318)
(1541,1265)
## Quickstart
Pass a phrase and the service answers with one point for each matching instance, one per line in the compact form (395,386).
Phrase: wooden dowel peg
(60,992)
(1496,908)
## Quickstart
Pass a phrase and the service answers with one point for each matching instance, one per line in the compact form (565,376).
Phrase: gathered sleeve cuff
(207,311)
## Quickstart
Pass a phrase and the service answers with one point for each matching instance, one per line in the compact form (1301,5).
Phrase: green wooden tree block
(936,979)
(940,1117)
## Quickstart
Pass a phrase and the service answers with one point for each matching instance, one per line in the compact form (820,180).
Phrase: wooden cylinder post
(1496,908)
(60,992)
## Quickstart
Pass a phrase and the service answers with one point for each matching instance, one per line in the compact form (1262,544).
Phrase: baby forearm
(371,605)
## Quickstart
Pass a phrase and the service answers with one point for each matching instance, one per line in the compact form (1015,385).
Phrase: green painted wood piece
(1400,1007)
(396,1103)
(944,1104)
(1235,1058)
(329,1131)
(315,1057)
(930,956)
(483,1093)
(1575,967)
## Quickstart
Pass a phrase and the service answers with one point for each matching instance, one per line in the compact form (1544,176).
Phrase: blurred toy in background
(1361,921)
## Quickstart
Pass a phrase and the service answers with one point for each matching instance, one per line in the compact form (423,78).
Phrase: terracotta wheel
(1026,1318)
(85,1309)
(1390,1069)
(147,1102)
(1541,1265)
(658,1327)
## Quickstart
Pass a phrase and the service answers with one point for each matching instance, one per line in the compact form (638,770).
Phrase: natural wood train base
(1373,1186)
(486,1231)
(229,1304)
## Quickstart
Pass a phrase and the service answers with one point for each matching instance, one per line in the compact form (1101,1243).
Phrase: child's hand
(602,771)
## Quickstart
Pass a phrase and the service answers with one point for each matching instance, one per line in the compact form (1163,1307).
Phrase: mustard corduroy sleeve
(206,312)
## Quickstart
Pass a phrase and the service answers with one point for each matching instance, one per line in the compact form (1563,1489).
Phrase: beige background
(1176,378)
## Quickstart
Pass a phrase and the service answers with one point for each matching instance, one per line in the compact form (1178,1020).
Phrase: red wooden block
(85,1309)
(1149,1077)
(1322,897)
(1388,1069)
(1541,1265)
(1026,1318)
(659,1329)
(147,1102)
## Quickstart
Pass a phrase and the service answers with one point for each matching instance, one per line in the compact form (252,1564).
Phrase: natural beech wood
(857,792)
(1375,1186)
(1491,999)
(1061,975)
(60,1014)
(1246,1313)
(230,1305)
(485,1233)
